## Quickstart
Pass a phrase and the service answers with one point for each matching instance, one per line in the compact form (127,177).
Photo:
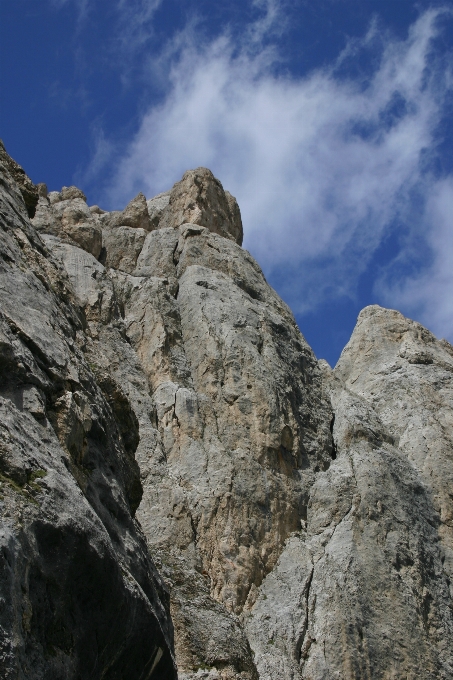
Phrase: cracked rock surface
(299,517)
(401,368)
(80,595)
(365,590)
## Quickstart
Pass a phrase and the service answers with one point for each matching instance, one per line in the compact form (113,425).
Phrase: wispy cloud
(135,22)
(428,293)
(323,166)
(103,153)
(271,22)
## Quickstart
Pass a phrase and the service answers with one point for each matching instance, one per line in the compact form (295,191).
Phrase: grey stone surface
(361,591)
(69,193)
(239,424)
(243,428)
(65,214)
(28,191)
(401,368)
(301,519)
(81,597)
(122,247)
(156,207)
(199,198)
(135,214)
(42,189)
(375,554)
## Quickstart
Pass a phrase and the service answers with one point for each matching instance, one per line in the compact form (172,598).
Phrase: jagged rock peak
(199,198)
(27,188)
(405,372)
(116,238)
(135,215)
(66,194)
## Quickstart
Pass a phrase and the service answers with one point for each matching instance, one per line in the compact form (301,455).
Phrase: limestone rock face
(363,591)
(400,368)
(234,425)
(81,597)
(26,187)
(156,207)
(243,426)
(68,193)
(159,400)
(66,214)
(199,198)
(135,214)
(122,246)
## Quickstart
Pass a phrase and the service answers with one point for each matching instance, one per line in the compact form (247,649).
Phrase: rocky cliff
(185,490)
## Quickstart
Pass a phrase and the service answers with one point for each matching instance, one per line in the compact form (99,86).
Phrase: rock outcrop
(81,597)
(65,214)
(161,407)
(28,190)
(199,198)
(364,591)
(405,373)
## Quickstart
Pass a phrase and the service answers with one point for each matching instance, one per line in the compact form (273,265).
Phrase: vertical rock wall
(300,518)
(366,592)
(233,422)
(81,597)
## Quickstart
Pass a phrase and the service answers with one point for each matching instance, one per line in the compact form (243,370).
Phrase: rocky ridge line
(300,518)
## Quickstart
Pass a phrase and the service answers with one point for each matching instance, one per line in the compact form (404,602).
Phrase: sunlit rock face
(158,390)
(199,198)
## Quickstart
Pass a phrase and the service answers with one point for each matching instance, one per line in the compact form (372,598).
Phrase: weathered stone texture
(243,423)
(365,590)
(399,367)
(28,190)
(135,214)
(156,207)
(65,214)
(300,518)
(199,198)
(80,594)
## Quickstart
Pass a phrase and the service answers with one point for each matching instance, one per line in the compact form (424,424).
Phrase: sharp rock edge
(185,490)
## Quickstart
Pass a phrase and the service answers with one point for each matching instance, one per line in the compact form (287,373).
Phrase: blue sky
(330,121)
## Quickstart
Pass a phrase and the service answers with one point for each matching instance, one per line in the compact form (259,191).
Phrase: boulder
(135,214)
(69,193)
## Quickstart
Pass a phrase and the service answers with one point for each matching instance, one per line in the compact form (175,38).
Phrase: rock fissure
(301,655)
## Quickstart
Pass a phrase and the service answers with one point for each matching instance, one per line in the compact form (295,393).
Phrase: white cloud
(428,295)
(321,166)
